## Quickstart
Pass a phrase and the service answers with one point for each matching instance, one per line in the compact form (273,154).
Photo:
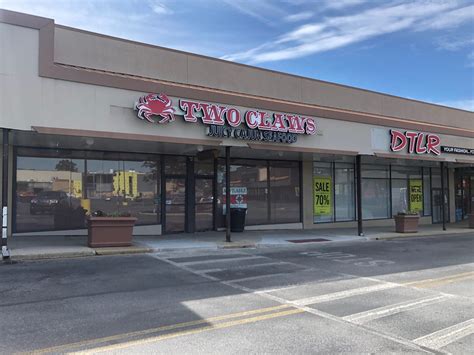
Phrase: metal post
(443,218)
(4,244)
(227,194)
(360,230)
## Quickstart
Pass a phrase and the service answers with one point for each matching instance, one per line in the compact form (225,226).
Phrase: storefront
(94,123)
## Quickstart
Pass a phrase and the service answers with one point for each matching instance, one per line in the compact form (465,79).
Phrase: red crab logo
(155,105)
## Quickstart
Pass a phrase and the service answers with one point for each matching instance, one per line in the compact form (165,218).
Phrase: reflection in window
(344,192)
(399,196)
(57,193)
(273,194)
(375,191)
(116,186)
(284,192)
(426,192)
(375,198)
(49,194)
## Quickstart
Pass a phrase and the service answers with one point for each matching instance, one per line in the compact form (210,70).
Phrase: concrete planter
(110,231)
(406,223)
(471,220)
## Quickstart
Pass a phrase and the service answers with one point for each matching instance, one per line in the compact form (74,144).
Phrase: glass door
(204,202)
(437,199)
(175,204)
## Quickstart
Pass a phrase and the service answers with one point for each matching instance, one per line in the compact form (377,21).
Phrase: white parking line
(244,267)
(190,263)
(343,294)
(446,336)
(367,316)
(251,278)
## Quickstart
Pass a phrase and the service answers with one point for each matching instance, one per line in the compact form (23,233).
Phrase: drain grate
(308,240)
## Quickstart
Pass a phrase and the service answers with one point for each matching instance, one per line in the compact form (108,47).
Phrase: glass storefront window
(204,167)
(375,198)
(49,194)
(273,190)
(284,192)
(253,176)
(117,186)
(375,171)
(175,165)
(56,193)
(407,189)
(426,192)
(399,196)
(344,192)
(405,172)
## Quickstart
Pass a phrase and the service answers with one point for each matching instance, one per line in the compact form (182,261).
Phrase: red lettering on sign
(310,126)
(251,119)
(432,144)
(415,143)
(411,141)
(233,117)
(189,108)
(420,149)
(278,124)
(213,114)
(399,141)
(295,124)
(263,124)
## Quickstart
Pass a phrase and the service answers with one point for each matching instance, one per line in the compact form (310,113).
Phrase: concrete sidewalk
(47,247)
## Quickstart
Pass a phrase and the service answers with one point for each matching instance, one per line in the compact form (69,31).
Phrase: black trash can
(237,219)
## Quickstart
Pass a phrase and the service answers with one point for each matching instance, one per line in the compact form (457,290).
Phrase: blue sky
(417,49)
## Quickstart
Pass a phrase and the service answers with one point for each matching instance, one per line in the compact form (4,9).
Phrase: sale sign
(322,196)
(416,195)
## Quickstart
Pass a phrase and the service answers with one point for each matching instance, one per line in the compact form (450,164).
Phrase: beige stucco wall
(29,100)
(99,52)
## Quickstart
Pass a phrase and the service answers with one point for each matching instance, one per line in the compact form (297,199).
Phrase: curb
(46,256)
(219,245)
(416,235)
(122,250)
(237,245)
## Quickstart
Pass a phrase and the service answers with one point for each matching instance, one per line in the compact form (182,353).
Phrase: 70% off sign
(322,191)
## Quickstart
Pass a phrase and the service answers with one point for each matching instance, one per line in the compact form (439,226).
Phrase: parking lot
(414,294)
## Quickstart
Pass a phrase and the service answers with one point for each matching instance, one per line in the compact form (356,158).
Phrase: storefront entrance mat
(308,240)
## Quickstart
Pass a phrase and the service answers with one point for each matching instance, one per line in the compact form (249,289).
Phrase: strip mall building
(92,122)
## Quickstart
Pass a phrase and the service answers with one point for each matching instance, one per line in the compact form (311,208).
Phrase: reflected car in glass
(46,201)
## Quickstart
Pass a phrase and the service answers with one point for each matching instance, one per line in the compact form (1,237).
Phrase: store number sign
(416,195)
(322,199)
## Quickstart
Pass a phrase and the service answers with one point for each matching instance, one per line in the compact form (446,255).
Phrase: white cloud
(449,19)
(262,10)
(341,4)
(300,16)
(160,8)
(454,44)
(340,31)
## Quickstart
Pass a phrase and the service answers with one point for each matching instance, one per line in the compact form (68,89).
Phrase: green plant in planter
(115,214)
(407,213)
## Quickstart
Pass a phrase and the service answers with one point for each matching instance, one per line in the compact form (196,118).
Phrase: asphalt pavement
(404,295)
